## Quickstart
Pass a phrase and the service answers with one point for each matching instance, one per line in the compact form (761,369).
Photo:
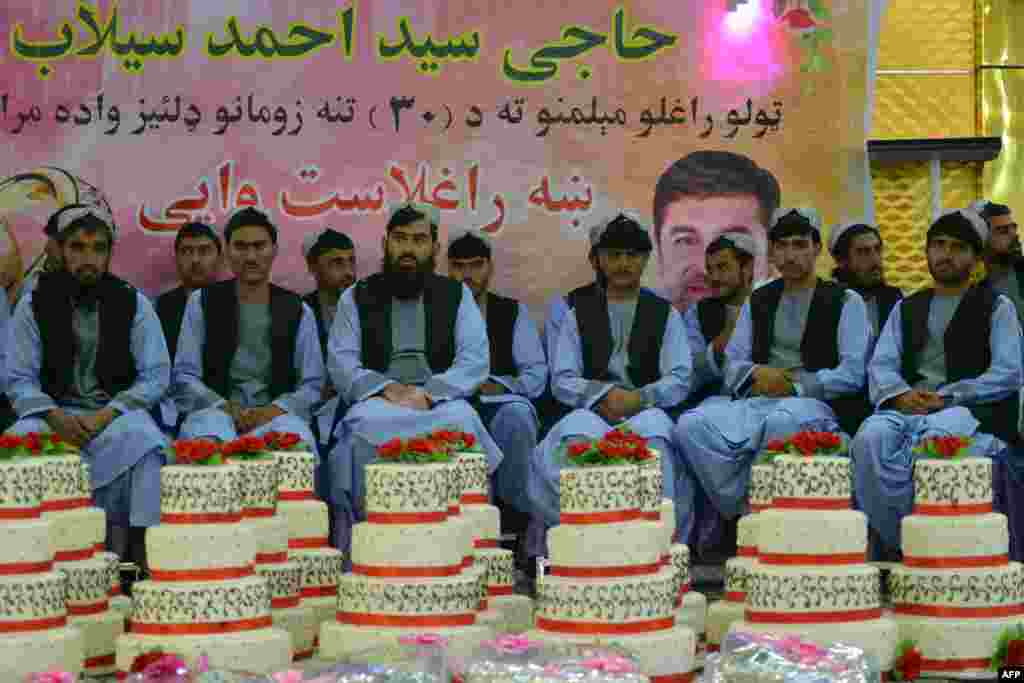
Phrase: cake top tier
(761,478)
(295,473)
(193,494)
(259,485)
(65,482)
(473,477)
(600,494)
(21,488)
(961,486)
(821,482)
(652,487)
(400,493)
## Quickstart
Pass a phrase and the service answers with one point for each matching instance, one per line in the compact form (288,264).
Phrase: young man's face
(864,260)
(689,225)
(198,261)
(796,256)
(334,269)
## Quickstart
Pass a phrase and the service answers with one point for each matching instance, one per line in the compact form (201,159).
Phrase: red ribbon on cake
(674,678)
(217,574)
(406,572)
(953,510)
(760,507)
(253,513)
(811,503)
(199,629)
(303,654)
(485,543)
(285,603)
(88,610)
(307,543)
(954,664)
(467,561)
(735,596)
(73,555)
(33,625)
(592,629)
(759,617)
(115,591)
(746,551)
(18,568)
(482,607)
(319,591)
(20,513)
(611,517)
(100,548)
(101,661)
(497,591)
(271,558)
(966,562)
(66,504)
(650,516)
(831,559)
(454,510)
(474,499)
(200,517)
(604,572)
(406,621)
(295,495)
(958,612)
(407,517)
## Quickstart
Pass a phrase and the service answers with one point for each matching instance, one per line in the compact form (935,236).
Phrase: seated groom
(249,358)
(406,351)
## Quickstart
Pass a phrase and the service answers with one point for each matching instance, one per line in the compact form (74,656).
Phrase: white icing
(662,653)
(989,587)
(26,540)
(964,481)
(668,521)
(806,532)
(263,651)
(304,518)
(721,615)
(205,602)
(606,545)
(99,634)
(485,521)
(189,489)
(499,566)
(693,614)
(408,545)
(301,625)
(401,488)
(820,478)
(947,537)
(737,574)
(21,654)
(295,471)
(599,490)
(747,530)
(320,566)
(181,547)
(492,619)
(761,481)
(63,478)
(325,610)
(645,598)
(77,529)
(21,484)
(284,580)
(453,595)
(87,582)
(271,533)
(517,610)
(809,590)
(338,641)
(954,638)
(877,636)
(28,597)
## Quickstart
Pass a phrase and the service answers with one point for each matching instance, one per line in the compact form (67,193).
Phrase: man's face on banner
(690,224)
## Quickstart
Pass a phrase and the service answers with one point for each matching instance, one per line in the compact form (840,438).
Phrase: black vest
(887,298)
(502,314)
(441,299)
(170,308)
(644,352)
(968,353)
(313,300)
(1018,268)
(52,306)
(711,314)
(819,347)
(220,311)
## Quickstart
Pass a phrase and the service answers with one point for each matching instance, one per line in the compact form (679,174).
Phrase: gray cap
(741,241)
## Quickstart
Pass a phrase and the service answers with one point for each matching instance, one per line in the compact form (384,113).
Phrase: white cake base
(518,611)
(877,636)
(324,609)
(262,651)
(721,615)
(663,653)
(492,618)
(99,637)
(951,639)
(21,654)
(122,604)
(693,613)
(301,625)
(342,640)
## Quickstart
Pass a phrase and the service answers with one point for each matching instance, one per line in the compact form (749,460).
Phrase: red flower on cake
(142,661)
(776,445)
(947,447)
(10,441)
(33,442)
(55,439)
(578,449)
(1015,653)
(390,449)
(422,445)
(908,664)
(445,435)
(468,440)
(287,440)
(195,451)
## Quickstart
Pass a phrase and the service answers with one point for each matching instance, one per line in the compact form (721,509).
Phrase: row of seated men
(405,351)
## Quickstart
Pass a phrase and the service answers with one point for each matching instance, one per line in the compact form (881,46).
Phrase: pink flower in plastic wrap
(291,676)
(611,664)
(52,677)
(424,640)
(168,666)
(511,645)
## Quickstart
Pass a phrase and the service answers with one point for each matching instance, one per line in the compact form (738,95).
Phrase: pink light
(741,21)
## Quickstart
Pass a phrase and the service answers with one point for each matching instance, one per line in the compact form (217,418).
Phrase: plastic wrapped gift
(766,658)
(160,667)
(517,659)
(423,654)
(359,673)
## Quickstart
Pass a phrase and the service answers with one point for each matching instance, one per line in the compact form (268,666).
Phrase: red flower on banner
(390,449)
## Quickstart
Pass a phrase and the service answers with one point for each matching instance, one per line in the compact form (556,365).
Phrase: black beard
(1007,258)
(406,285)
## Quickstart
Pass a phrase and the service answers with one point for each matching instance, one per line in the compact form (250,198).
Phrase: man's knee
(520,415)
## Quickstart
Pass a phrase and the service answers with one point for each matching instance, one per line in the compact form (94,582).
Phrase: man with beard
(407,349)
(858,249)
(948,362)
(86,360)
(799,343)
(622,360)
(248,358)
(197,258)
(698,198)
(518,375)
(1004,266)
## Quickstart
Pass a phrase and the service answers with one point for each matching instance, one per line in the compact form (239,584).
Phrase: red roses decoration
(245,448)
(417,450)
(805,443)
(196,452)
(945,447)
(456,440)
(618,447)
(907,666)
(33,443)
(283,441)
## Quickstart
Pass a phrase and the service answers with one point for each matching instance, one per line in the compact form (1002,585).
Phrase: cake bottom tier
(122,604)
(344,640)
(262,651)
(877,636)
(663,653)
(693,613)
(721,615)
(324,609)
(301,625)
(493,619)
(61,649)
(518,611)
(954,646)
(99,637)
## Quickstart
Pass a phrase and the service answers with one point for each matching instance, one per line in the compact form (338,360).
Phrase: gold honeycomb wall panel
(961,183)
(923,106)
(927,34)
(903,212)
(999,25)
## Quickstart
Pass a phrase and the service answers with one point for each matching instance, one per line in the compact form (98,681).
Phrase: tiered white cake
(810,578)
(956,590)
(79,530)
(33,613)
(203,596)
(260,485)
(611,578)
(408,574)
(722,613)
(307,523)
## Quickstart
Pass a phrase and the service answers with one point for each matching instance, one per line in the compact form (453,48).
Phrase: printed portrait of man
(698,198)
